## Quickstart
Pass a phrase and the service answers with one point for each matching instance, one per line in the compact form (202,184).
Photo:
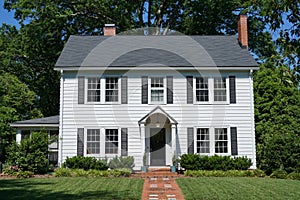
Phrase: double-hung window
(221,140)
(157,90)
(111,89)
(203,143)
(93,141)
(202,90)
(111,141)
(212,141)
(103,90)
(93,90)
(220,93)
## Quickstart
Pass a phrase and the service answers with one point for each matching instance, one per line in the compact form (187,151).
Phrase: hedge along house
(156,97)
(47,124)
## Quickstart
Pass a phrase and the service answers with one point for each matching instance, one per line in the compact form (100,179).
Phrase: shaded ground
(71,188)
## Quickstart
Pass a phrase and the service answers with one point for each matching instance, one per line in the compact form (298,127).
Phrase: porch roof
(52,121)
(157,109)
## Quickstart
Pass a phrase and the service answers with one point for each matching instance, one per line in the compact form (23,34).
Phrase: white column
(18,136)
(174,148)
(143,151)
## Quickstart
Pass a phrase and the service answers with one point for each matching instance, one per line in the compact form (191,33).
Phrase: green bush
(279,151)
(11,170)
(66,172)
(198,162)
(86,163)
(258,173)
(294,176)
(220,173)
(25,174)
(31,154)
(62,172)
(121,163)
(279,174)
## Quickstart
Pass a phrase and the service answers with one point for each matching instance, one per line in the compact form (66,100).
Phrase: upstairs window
(111,89)
(157,90)
(202,90)
(93,90)
(220,89)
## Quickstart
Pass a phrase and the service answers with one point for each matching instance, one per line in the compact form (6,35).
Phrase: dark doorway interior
(157,147)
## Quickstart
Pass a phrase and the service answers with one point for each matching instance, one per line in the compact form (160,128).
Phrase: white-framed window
(111,141)
(212,140)
(157,90)
(111,89)
(93,89)
(211,90)
(202,89)
(93,141)
(221,140)
(203,142)
(103,90)
(220,89)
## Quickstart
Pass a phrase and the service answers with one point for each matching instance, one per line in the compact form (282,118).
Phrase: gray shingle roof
(39,121)
(200,51)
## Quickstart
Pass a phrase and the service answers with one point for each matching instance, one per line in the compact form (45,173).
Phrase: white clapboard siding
(127,115)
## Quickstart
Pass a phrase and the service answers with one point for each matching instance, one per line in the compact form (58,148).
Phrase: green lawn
(71,188)
(238,188)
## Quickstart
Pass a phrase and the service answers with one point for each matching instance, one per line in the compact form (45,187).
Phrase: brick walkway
(160,184)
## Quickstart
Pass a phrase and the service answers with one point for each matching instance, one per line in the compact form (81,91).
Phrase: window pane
(112,90)
(157,95)
(93,141)
(111,141)
(220,89)
(221,140)
(203,143)
(157,82)
(93,90)
(202,89)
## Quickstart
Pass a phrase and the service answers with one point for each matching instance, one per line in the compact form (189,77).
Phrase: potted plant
(144,168)
(174,162)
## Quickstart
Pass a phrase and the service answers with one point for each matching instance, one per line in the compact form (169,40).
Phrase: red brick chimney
(243,31)
(109,30)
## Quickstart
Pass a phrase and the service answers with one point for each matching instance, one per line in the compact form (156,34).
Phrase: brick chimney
(109,30)
(243,31)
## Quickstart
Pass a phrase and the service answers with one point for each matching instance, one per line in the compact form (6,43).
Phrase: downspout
(61,117)
(252,117)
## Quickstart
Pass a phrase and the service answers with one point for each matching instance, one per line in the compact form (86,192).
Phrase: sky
(7,17)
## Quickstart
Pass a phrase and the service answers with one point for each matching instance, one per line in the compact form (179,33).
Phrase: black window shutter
(232,89)
(124,90)
(80,142)
(80,89)
(234,145)
(189,88)
(190,140)
(169,89)
(144,90)
(124,142)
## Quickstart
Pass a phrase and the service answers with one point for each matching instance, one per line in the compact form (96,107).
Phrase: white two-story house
(156,97)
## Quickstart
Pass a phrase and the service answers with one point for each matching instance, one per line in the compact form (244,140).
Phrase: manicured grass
(71,188)
(219,188)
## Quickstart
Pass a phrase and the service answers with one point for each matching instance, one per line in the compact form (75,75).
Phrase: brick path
(160,184)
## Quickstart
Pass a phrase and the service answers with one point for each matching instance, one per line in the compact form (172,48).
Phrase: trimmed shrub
(62,172)
(121,163)
(65,172)
(220,173)
(198,162)
(258,173)
(25,174)
(294,176)
(279,174)
(86,163)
